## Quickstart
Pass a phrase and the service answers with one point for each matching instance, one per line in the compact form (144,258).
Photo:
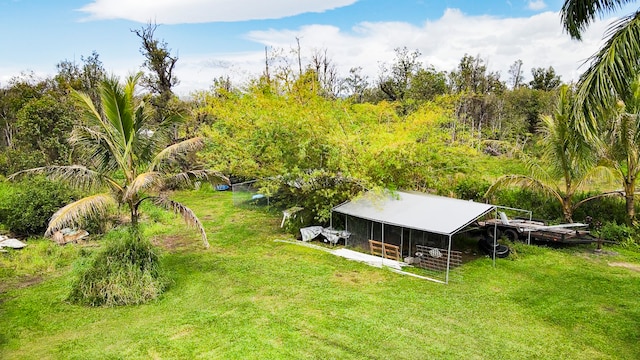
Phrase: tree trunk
(567,210)
(629,193)
(134,214)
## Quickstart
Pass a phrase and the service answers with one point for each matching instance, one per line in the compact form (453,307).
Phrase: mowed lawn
(250,297)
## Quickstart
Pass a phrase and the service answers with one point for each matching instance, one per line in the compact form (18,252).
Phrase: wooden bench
(387,251)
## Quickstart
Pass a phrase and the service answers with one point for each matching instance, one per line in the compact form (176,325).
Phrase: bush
(605,209)
(26,206)
(316,192)
(471,188)
(542,206)
(619,233)
(126,272)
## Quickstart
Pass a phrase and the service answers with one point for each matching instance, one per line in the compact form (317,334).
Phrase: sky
(215,38)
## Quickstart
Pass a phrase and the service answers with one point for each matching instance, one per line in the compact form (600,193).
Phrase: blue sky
(228,37)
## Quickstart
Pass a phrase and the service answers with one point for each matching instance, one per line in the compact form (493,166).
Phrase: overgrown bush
(27,205)
(606,209)
(542,206)
(125,272)
(471,188)
(316,192)
(619,233)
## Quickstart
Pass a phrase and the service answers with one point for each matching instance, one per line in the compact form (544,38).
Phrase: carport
(421,225)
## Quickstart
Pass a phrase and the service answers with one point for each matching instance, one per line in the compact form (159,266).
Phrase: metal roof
(419,211)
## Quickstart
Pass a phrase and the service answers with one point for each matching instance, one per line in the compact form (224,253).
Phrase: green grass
(248,297)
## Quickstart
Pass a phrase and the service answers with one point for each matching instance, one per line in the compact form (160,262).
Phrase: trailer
(535,230)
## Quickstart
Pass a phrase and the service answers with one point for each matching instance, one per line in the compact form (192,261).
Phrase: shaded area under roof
(419,211)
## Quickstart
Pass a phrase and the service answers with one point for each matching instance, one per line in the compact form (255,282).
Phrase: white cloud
(537,40)
(200,11)
(536,5)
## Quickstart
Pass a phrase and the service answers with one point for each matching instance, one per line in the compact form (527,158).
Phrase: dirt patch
(357,278)
(19,283)
(630,266)
(171,242)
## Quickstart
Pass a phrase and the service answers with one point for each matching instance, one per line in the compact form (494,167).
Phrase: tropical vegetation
(312,138)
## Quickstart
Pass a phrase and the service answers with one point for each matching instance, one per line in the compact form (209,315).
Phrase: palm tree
(619,142)
(567,159)
(123,157)
(614,66)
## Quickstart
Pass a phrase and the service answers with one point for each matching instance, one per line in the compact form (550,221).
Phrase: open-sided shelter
(421,225)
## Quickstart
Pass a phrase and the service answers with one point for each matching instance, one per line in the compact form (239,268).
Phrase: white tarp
(419,211)
(332,236)
(5,241)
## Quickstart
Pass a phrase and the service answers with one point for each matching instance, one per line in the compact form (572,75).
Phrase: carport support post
(410,237)
(401,241)
(383,252)
(495,238)
(446,279)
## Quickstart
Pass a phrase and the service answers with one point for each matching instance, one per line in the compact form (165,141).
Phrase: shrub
(619,233)
(542,206)
(27,206)
(471,188)
(126,272)
(316,192)
(605,209)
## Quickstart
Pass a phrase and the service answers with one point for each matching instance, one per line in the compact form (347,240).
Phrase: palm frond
(88,106)
(77,176)
(95,147)
(597,174)
(142,182)
(524,181)
(170,152)
(75,212)
(101,136)
(576,15)
(610,73)
(187,214)
(117,108)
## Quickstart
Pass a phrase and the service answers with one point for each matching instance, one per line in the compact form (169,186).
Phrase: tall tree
(472,76)
(614,66)
(356,84)
(477,88)
(619,142)
(544,79)
(158,60)
(326,72)
(123,156)
(408,82)
(395,80)
(85,78)
(516,78)
(567,158)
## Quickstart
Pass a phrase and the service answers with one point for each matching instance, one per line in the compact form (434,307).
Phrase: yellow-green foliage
(260,134)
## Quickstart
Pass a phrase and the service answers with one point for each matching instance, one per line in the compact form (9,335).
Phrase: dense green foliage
(27,206)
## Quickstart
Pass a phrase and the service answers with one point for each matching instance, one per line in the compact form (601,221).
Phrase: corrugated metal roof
(419,211)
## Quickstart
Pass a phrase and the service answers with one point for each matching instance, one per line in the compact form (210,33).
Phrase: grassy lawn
(248,297)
